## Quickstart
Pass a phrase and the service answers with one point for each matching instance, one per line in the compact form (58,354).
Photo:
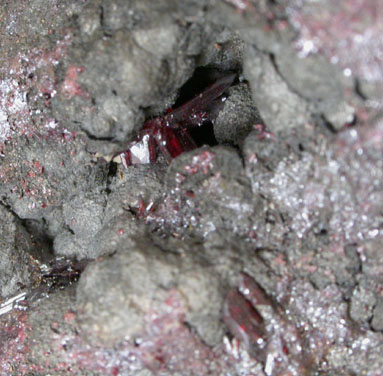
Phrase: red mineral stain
(70,87)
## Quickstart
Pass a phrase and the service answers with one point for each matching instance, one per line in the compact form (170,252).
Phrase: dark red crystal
(169,134)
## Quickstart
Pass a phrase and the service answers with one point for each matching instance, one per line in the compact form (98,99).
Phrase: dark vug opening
(201,79)
(204,135)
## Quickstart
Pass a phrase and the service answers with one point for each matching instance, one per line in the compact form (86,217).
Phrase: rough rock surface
(257,253)
(17,266)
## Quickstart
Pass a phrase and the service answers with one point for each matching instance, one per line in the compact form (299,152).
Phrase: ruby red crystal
(169,133)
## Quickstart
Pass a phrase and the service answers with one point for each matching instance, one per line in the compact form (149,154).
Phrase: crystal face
(139,152)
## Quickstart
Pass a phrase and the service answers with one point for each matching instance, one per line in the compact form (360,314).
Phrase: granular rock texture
(248,241)
(17,265)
